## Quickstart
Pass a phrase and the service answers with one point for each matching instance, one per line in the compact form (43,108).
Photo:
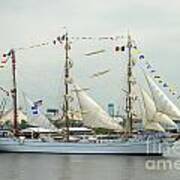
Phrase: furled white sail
(162,102)
(155,119)
(93,115)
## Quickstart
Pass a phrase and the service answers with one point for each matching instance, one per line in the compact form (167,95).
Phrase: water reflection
(71,167)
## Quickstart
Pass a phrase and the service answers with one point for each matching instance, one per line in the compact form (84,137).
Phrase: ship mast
(129,82)
(14,93)
(66,84)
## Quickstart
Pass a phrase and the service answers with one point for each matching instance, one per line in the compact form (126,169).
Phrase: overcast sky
(155,24)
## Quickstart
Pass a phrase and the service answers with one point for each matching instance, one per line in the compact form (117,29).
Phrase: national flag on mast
(4,59)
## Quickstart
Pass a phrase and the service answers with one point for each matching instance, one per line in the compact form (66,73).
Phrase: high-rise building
(111,109)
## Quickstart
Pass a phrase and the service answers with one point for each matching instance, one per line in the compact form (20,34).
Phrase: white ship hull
(122,148)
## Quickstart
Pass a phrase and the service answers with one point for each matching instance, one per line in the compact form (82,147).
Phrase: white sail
(40,120)
(162,102)
(8,116)
(93,115)
(150,110)
(149,106)
(153,117)
(154,126)
(165,120)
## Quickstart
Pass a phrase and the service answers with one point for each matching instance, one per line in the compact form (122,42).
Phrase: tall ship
(158,113)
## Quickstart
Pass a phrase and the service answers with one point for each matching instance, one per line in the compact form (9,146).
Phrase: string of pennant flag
(4,60)
(135,51)
(57,41)
(150,68)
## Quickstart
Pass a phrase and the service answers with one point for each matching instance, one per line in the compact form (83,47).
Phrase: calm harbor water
(81,167)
